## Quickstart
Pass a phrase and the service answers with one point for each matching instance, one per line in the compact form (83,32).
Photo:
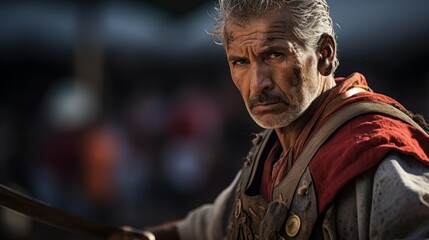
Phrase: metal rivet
(303,189)
(293,224)
(257,139)
(238,208)
(248,160)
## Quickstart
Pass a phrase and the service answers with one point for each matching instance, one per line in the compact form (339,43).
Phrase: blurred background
(124,111)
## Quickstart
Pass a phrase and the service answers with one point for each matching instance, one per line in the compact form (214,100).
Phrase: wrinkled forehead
(274,24)
(237,35)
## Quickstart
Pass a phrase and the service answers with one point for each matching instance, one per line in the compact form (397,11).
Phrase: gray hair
(310,17)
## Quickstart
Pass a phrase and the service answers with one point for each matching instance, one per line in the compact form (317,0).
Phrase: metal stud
(257,139)
(303,189)
(293,224)
(248,160)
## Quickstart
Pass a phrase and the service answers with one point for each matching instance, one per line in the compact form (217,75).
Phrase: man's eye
(240,62)
(274,55)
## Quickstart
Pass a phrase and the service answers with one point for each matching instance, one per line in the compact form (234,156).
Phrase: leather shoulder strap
(332,124)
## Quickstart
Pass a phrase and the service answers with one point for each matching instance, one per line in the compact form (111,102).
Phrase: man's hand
(129,233)
(166,231)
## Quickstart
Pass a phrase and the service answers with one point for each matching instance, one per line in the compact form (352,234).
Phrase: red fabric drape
(357,146)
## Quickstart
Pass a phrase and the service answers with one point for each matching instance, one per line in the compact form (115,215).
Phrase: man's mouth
(269,107)
(264,104)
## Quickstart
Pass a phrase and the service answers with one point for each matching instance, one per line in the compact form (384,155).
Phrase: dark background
(124,112)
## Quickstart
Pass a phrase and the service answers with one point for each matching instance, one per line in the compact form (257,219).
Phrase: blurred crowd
(151,160)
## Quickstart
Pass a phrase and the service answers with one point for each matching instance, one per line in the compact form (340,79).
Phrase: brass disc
(293,224)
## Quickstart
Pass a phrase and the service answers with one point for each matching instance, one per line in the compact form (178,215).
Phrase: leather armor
(252,217)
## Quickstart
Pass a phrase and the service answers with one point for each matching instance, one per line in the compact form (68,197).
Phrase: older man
(336,161)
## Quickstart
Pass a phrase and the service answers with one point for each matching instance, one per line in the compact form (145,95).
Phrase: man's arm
(203,223)
(400,199)
(167,231)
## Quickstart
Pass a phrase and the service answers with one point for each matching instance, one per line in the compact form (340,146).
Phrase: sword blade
(54,216)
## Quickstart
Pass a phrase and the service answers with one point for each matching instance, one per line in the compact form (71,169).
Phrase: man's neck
(288,135)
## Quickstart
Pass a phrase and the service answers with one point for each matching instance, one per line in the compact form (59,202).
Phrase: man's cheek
(238,83)
(297,77)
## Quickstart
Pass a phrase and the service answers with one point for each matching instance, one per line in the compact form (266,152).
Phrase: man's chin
(271,123)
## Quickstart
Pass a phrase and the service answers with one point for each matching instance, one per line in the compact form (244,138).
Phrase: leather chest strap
(333,123)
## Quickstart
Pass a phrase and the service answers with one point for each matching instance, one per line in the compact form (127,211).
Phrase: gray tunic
(390,202)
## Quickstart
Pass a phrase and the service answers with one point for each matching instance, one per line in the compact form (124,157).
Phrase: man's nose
(260,78)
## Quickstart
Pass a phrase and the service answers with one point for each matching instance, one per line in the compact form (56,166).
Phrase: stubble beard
(277,120)
(295,109)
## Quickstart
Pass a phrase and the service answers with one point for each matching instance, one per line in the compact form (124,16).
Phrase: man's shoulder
(399,167)
(360,145)
(400,197)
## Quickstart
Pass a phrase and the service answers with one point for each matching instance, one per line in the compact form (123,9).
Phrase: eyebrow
(270,49)
(265,51)
(234,58)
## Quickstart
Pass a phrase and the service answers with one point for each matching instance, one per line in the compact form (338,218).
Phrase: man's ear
(326,52)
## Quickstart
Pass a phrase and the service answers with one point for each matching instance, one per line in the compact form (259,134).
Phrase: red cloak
(359,144)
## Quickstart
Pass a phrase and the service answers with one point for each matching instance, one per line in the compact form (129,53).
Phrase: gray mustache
(264,98)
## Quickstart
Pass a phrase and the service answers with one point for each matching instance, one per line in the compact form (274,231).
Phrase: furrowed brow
(234,58)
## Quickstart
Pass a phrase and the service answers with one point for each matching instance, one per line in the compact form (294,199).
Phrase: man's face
(276,75)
